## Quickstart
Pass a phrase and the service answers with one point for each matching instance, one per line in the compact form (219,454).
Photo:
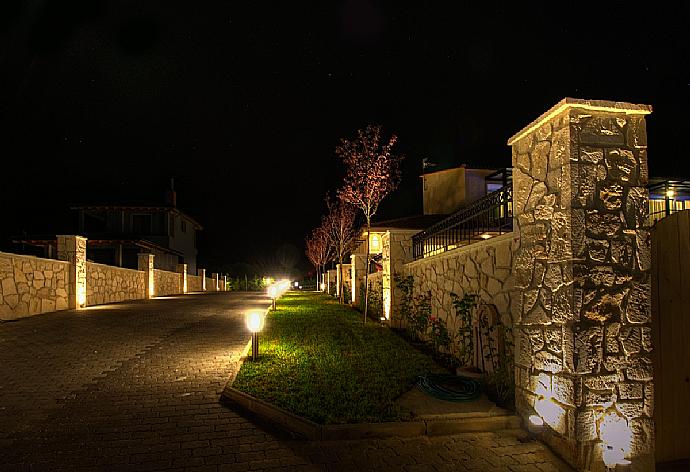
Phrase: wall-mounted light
(296,284)
(670,193)
(255,323)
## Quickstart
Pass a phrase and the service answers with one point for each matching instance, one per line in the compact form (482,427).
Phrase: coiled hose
(452,388)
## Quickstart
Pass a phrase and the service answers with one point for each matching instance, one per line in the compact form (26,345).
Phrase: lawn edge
(303,428)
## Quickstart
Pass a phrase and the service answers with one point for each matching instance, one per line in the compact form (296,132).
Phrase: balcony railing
(485,218)
(668,197)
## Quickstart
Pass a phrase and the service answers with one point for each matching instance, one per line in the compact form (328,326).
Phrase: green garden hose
(452,388)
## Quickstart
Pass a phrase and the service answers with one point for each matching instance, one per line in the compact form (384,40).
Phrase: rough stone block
(586,425)
(562,309)
(639,306)
(548,362)
(599,397)
(612,331)
(630,391)
(603,225)
(606,306)
(622,166)
(640,369)
(622,252)
(630,409)
(631,339)
(602,381)
(539,159)
(643,436)
(559,151)
(8,286)
(611,197)
(643,250)
(597,250)
(600,130)
(589,350)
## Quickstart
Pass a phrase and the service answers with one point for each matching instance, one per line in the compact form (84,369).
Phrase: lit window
(375,243)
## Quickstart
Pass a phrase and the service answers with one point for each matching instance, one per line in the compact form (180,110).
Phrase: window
(171,218)
(141,224)
(184,226)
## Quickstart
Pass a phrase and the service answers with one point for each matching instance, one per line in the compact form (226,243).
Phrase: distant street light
(255,323)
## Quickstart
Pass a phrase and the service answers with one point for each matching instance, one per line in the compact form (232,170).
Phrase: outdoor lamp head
(273,291)
(254,320)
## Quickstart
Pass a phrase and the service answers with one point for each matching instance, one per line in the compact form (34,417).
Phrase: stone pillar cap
(594,105)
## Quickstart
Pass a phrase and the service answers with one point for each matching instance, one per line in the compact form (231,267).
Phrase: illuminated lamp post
(255,323)
(273,294)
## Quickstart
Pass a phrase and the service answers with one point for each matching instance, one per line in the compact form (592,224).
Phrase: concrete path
(135,386)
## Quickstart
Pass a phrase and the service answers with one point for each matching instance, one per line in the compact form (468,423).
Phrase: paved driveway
(135,386)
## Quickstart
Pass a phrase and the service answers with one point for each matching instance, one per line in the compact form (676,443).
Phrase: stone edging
(306,429)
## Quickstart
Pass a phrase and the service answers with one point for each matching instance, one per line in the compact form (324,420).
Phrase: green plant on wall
(439,335)
(405,285)
(347,293)
(421,315)
(463,312)
(501,355)
(376,300)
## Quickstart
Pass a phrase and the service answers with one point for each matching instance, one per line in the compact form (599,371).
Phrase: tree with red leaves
(373,171)
(340,227)
(319,251)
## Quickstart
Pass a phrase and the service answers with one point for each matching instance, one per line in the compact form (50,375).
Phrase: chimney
(170,195)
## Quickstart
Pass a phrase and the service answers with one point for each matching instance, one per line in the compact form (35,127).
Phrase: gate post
(582,321)
(73,249)
(145,264)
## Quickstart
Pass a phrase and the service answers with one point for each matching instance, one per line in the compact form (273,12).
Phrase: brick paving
(136,386)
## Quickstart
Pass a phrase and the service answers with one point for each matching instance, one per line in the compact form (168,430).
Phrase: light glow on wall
(616,438)
(81,295)
(375,243)
(546,407)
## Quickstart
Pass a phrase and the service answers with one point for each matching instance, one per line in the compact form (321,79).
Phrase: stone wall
(167,283)
(31,285)
(481,269)
(583,336)
(210,285)
(108,284)
(193,283)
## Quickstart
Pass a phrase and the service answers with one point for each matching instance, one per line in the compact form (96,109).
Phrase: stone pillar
(73,249)
(145,264)
(582,321)
(182,269)
(215,281)
(225,283)
(357,265)
(397,251)
(202,274)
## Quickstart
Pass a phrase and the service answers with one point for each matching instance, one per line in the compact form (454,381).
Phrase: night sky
(243,103)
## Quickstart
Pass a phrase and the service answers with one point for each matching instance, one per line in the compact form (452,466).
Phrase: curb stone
(307,429)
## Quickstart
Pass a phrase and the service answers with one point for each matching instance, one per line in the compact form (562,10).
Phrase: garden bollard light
(273,294)
(255,323)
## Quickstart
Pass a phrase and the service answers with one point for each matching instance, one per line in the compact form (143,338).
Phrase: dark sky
(243,102)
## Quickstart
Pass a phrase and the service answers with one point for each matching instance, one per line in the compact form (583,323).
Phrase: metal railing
(666,198)
(485,218)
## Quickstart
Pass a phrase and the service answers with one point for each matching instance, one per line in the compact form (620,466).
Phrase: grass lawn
(318,360)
